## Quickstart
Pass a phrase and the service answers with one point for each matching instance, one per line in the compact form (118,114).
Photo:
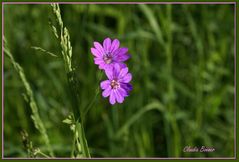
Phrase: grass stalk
(171,93)
(30,99)
(199,69)
(62,34)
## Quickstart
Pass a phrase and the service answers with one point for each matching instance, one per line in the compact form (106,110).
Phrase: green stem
(72,83)
(63,36)
(199,80)
(168,136)
(79,135)
(43,154)
(92,101)
(73,147)
(38,123)
(83,143)
(173,122)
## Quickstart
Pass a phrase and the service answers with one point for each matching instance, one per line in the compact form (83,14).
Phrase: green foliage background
(183,78)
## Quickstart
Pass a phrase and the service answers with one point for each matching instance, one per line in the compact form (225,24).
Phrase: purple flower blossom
(109,54)
(117,86)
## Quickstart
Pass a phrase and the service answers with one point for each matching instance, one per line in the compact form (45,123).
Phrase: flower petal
(99,47)
(119,97)
(122,91)
(109,73)
(102,66)
(120,51)
(112,97)
(95,52)
(115,45)
(105,84)
(98,61)
(108,66)
(126,79)
(122,58)
(107,92)
(123,72)
(122,65)
(116,70)
(107,44)
(126,86)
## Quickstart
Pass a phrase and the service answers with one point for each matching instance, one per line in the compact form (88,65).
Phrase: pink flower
(109,54)
(117,86)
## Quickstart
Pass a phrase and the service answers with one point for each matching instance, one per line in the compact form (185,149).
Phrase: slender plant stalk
(44,51)
(176,134)
(171,123)
(93,100)
(200,68)
(62,34)
(30,99)
(27,144)
(42,154)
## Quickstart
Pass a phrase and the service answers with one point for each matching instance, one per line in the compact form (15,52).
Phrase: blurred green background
(183,77)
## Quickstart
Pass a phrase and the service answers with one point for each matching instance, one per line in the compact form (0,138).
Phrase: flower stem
(91,103)
(79,134)
(43,154)
(176,143)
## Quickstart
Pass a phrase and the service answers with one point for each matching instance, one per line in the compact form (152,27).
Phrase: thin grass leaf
(152,106)
(30,99)
(153,21)
(44,51)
